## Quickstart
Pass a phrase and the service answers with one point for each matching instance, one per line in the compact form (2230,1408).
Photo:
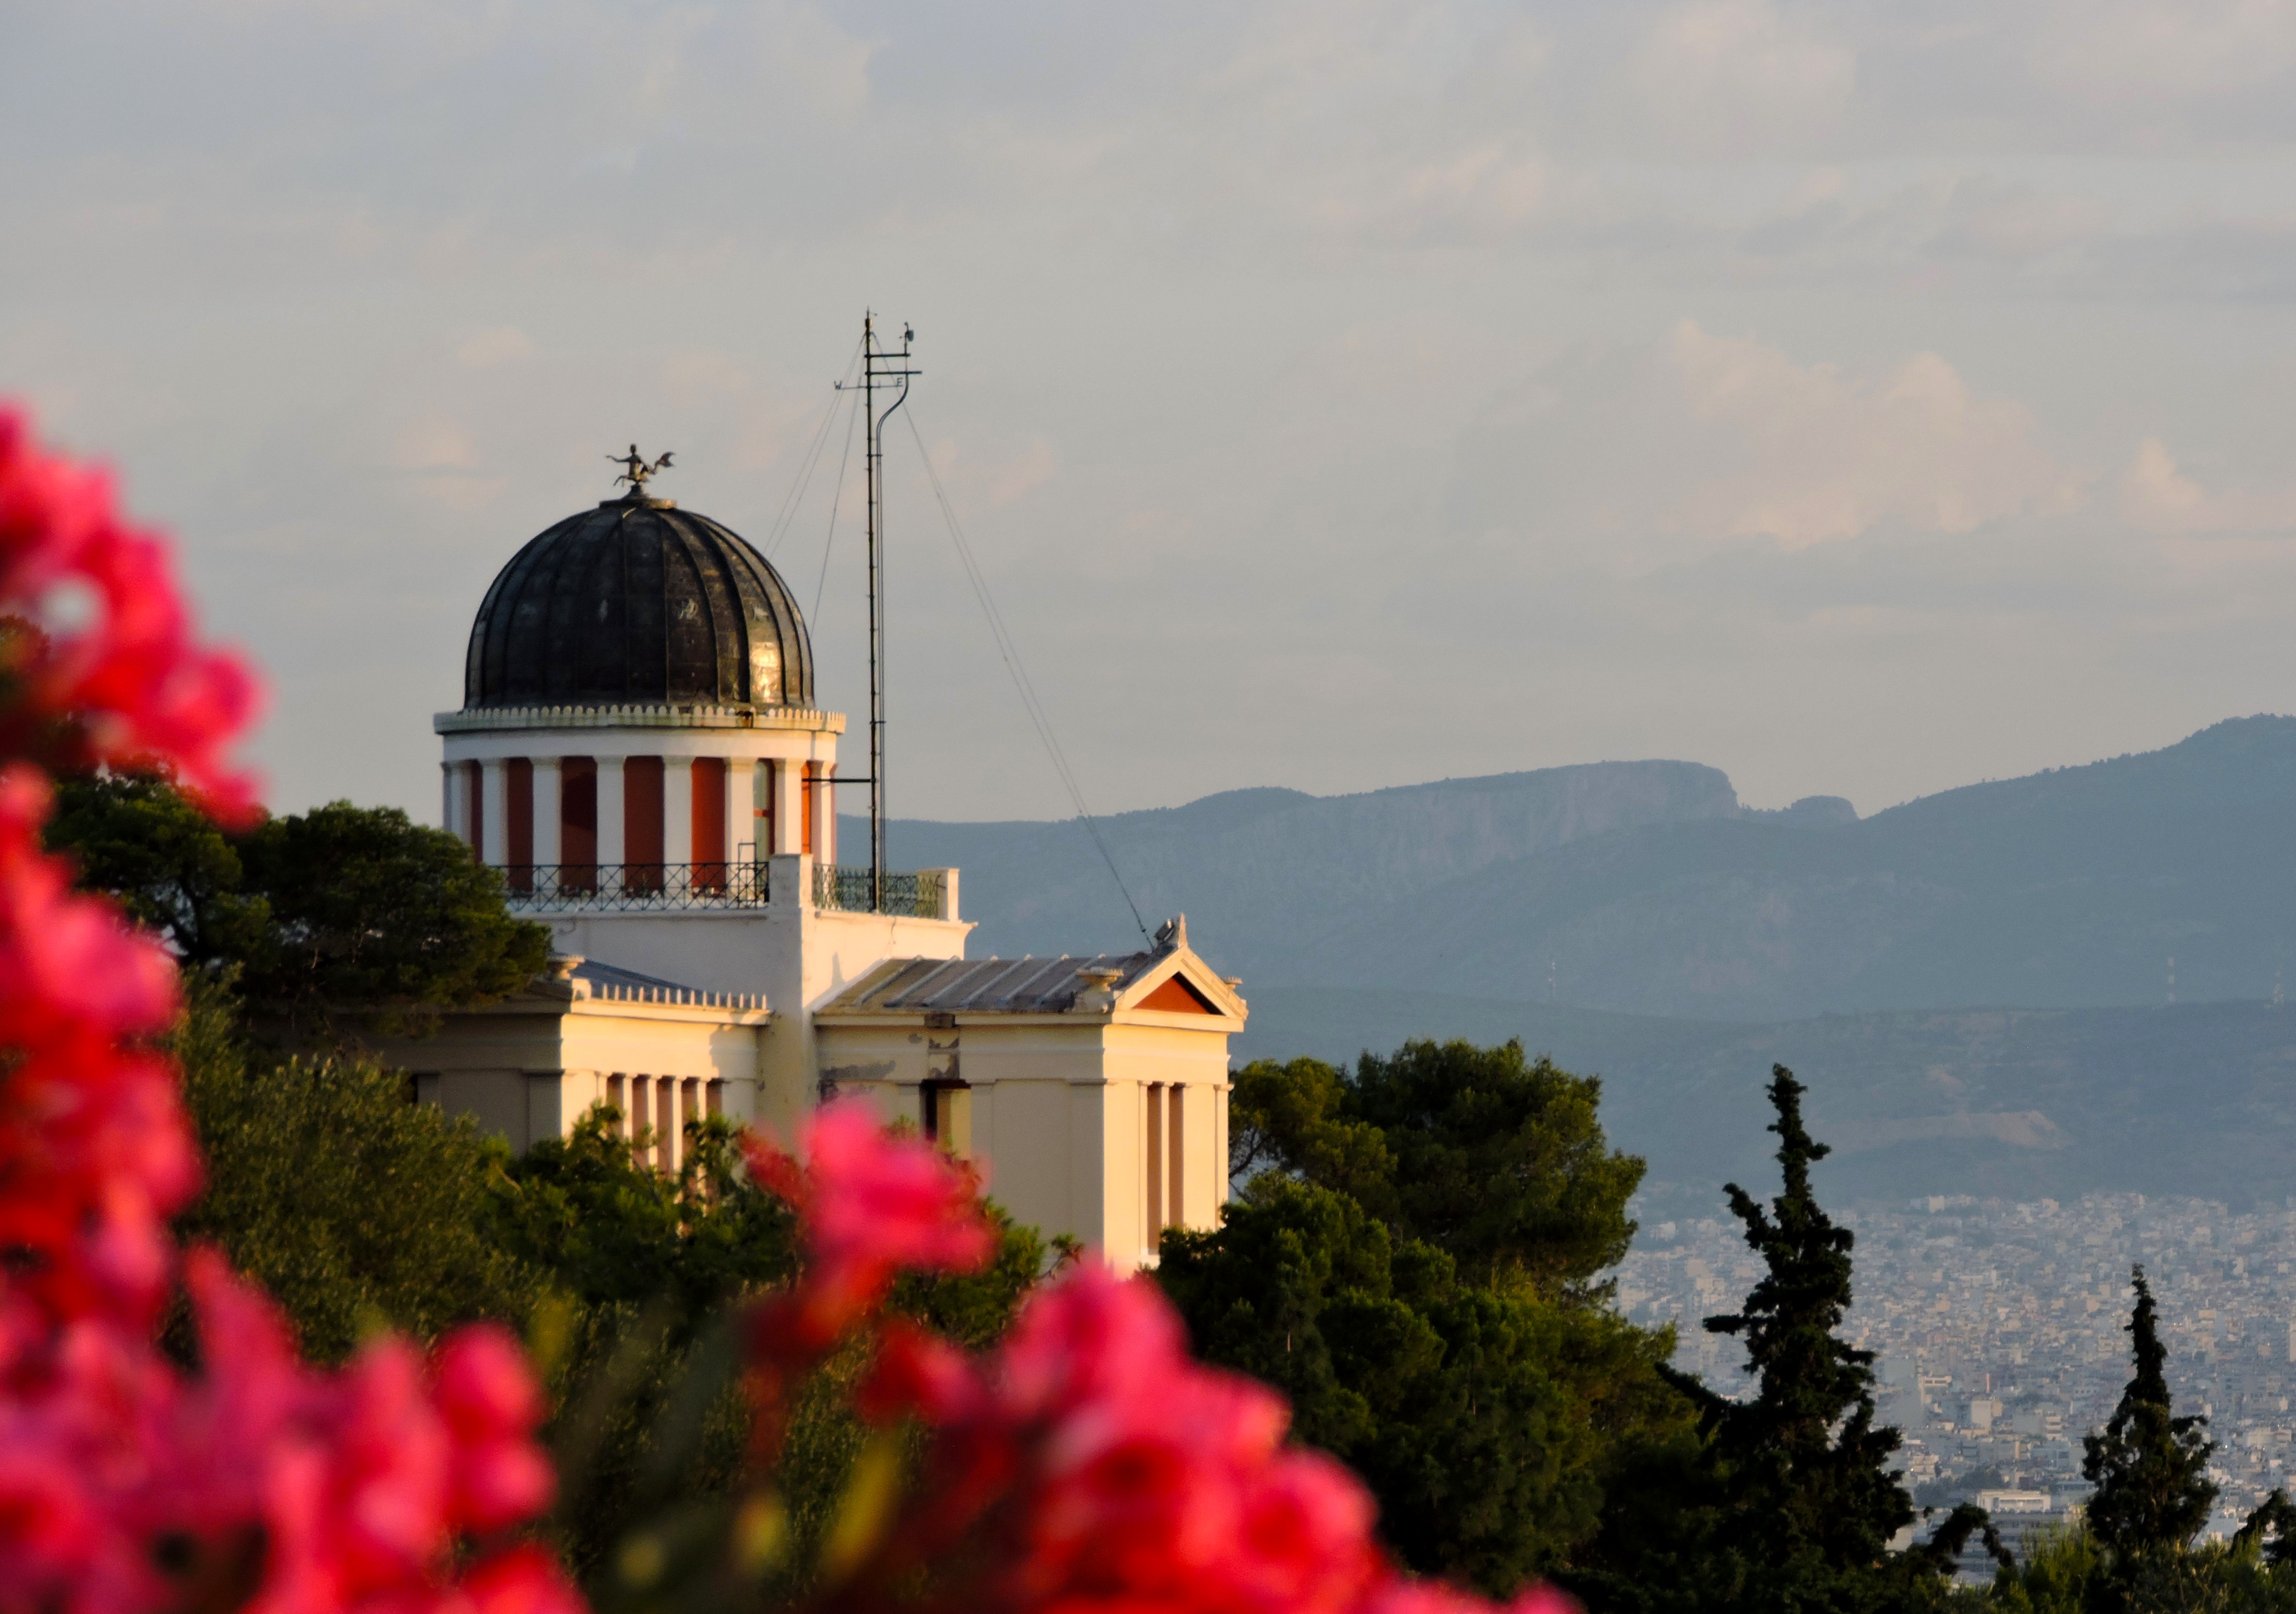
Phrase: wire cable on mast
(1009,653)
(837,496)
(795,498)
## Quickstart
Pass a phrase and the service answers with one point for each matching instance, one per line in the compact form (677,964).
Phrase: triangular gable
(1177,995)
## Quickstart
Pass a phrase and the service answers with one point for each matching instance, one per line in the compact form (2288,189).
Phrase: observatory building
(639,751)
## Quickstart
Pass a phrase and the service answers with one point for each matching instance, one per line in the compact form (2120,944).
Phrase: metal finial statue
(635,471)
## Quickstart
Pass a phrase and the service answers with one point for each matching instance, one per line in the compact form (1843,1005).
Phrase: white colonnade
(513,810)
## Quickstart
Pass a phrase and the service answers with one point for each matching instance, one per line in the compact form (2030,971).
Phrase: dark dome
(636,603)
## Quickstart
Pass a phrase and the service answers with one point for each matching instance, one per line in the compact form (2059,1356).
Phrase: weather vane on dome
(635,470)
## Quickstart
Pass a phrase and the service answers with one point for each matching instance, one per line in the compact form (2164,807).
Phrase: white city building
(639,751)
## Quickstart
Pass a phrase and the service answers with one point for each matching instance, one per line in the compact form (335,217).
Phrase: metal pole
(873,470)
(869,457)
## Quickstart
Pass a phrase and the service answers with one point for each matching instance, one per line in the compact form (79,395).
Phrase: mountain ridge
(1646,886)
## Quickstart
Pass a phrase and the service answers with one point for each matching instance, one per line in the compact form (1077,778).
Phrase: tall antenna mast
(877,369)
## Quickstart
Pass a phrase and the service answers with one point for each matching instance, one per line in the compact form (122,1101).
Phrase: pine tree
(1805,1458)
(2150,1469)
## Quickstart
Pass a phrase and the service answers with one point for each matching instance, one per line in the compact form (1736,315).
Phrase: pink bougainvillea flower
(523,1580)
(126,1483)
(492,1407)
(870,1205)
(1086,1466)
(130,678)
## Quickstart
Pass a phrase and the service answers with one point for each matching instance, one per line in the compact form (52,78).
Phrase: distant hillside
(2066,888)
(1262,873)
(1643,888)
(2019,1104)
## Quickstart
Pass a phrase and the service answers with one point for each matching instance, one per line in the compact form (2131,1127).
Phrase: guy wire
(836,497)
(1009,653)
(795,498)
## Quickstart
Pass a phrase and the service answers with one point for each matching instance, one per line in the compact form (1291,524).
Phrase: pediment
(1177,995)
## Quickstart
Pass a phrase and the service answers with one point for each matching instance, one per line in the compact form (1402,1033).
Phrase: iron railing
(920,895)
(545,888)
(557,888)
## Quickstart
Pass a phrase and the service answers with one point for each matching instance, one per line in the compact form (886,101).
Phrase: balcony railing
(544,888)
(547,888)
(920,895)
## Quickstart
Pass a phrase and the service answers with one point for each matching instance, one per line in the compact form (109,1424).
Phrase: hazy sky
(1862,399)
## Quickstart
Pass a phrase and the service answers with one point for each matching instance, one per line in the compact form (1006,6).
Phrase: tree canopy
(1412,1264)
(1484,1420)
(1497,1160)
(165,861)
(340,908)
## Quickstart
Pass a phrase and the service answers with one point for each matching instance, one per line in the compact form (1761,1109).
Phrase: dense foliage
(1495,1158)
(1414,1263)
(360,1211)
(1483,1419)
(355,1208)
(341,908)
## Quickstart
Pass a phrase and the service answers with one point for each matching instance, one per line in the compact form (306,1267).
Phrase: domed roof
(638,603)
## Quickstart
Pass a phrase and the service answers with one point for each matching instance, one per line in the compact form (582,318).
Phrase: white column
(824,814)
(740,808)
(678,817)
(494,803)
(549,811)
(613,844)
(789,806)
(457,799)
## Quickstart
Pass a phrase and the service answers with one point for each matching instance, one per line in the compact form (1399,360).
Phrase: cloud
(981,489)
(439,458)
(2157,496)
(2165,51)
(435,443)
(1373,305)
(1731,76)
(1828,456)
(1631,453)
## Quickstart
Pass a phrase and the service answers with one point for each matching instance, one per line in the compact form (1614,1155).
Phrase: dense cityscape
(2000,1330)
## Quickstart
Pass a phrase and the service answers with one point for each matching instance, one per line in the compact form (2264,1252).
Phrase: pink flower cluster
(1086,1465)
(131,682)
(871,1210)
(127,1484)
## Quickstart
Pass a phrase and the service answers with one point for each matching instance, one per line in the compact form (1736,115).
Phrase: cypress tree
(1785,1502)
(1804,1456)
(2150,1468)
